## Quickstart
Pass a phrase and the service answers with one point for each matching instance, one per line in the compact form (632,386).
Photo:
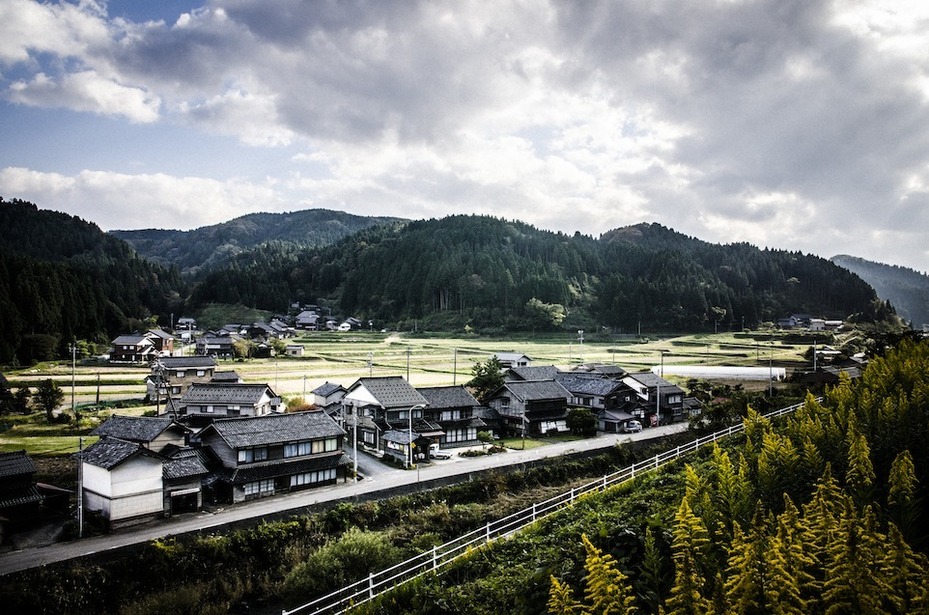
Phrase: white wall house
(122,481)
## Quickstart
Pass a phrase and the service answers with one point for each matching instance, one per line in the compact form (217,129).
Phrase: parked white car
(632,426)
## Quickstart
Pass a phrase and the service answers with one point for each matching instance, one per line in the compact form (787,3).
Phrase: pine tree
(853,583)
(653,579)
(907,574)
(860,474)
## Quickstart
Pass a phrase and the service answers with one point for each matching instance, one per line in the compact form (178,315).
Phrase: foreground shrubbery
(824,513)
(265,564)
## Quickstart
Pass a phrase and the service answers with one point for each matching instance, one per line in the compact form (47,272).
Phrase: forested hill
(63,278)
(493,274)
(211,247)
(906,289)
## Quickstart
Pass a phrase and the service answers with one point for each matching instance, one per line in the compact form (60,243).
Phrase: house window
(460,435)
(297,449)
(250,455)
(308,478)
(201,373)
(181,373)
(325,446)
(675,399)
(260,487)
(450,415)
(209,408)
(175,390)
(368,438)
(504,403)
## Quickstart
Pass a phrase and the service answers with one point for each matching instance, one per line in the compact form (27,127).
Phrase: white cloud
(716,119)
(115,200)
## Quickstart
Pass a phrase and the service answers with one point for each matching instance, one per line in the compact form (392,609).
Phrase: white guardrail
(437,558)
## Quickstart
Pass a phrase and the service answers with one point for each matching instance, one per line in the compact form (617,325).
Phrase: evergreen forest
(906,289)
(62,280)
(487,274)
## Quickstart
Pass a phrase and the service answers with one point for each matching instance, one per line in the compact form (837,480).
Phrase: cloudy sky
(791,124)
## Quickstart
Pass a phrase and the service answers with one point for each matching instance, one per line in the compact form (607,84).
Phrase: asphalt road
(379,478)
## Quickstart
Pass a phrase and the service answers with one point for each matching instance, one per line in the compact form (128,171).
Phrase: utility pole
(73,361)
(80,488)
(455,368)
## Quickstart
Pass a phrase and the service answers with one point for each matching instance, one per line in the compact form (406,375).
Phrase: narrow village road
(304,501)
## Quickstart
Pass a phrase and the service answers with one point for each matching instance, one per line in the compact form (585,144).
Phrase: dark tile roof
(327,389)
(225,393)
(275,428)
(16,463)
(107,453)
(184,463)
(536,389)
(652,380)
(135,428)
(391,391)
(129,340)
(539,372)
(251,473)
(20,497)
(226,376)
(586,385)
(193,362)
(614,415)
(447,397)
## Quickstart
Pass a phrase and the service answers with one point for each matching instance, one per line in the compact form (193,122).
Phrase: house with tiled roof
(19,497)
(509,360)
(164,341)
(588,390)
(263,455)
(531,372)
(657,397)
(176,374)
(452,408)
(133,348)
(122,481)
(374,406)
(328,397)
(532,407)
(213,400)
(183,473)
(153,432)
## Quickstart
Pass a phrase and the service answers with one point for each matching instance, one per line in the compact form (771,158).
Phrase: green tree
(48,396)
(486,378)
(561,599)
(582,421)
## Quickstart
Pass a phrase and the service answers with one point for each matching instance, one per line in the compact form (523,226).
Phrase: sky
(798,125)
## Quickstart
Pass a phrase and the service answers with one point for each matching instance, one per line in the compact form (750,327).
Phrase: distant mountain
(62,278)
(489,274)
(906,289)
(211,247)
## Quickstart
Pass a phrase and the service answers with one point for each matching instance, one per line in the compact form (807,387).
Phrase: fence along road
(439,557)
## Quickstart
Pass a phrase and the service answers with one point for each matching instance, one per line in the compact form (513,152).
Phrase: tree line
(483,272)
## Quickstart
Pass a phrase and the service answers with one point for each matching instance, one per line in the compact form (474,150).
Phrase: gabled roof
(587,385)
(161,333)
(136,428)
(131,340)
(187,362)
(225,393)
(604,369)
(226,376)
(107,453)
(184,463)
(17,463)
(274,429)
(388,392)
(327,389)
(540,372)
(508,357)
(651,381)
(531,390)
(447,397)
(300,465)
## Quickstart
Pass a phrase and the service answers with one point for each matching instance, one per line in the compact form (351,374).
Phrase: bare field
(344,357)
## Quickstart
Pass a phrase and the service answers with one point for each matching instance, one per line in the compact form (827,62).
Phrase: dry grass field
(426,361)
